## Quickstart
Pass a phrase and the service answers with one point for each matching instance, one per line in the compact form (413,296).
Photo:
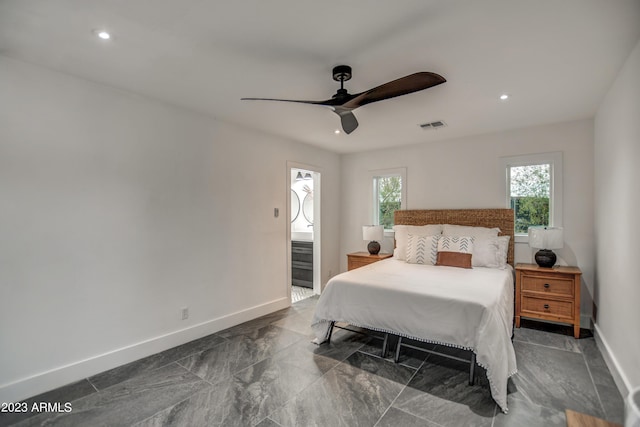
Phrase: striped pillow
(422,249)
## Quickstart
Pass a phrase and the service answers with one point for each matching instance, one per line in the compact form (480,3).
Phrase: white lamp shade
(546,237)
(372,233)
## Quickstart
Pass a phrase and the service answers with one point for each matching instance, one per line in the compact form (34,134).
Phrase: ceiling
(555,58)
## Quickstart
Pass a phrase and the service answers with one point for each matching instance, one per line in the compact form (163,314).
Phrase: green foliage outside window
(530,195)
(530,211)
(389,199)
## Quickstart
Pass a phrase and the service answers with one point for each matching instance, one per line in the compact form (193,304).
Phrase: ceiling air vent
(433,125)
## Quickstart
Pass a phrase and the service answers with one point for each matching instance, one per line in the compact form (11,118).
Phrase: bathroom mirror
(295,206)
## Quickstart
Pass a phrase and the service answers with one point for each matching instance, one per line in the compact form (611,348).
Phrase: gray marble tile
(439,392)
(480,372)
(409,356)
(267,422)
(301,355)
(128,402)
(297,323)
(306,303)
(222,361)
(62,395)
(381,367)
(612,401)
(130,370)
(344,396)
(343,344)
(523,413)
(553,378)
(244,400)
(559,341)
(396,418)
(272,339)
(258,323)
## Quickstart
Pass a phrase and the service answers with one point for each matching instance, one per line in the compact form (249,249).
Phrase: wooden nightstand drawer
(547,308)
(548,285)
(357,263)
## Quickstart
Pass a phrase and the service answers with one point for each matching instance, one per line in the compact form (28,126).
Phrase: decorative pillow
(462,244)
(422,249)
(503,251)
(402,231)
(454,259)
(455,251)
(485,252)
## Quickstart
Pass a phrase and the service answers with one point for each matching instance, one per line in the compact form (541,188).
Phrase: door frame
(316,172)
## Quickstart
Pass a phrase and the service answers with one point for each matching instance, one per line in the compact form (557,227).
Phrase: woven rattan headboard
(501,218)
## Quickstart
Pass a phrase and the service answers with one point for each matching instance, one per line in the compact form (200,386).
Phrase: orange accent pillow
(454,259)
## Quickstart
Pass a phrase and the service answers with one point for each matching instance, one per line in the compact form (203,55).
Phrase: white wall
(117,211)
(617,211)
(467,173)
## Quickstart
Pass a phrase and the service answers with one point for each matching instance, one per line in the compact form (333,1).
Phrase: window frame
(554,160)
(373,192)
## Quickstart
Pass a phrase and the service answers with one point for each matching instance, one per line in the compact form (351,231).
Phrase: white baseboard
(78,370)
(622,382)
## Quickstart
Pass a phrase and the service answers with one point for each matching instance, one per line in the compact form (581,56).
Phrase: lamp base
(545,258)
(373,247)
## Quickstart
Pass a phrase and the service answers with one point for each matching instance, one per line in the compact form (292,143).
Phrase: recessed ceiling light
(102,34)
(337,131)
(504,97)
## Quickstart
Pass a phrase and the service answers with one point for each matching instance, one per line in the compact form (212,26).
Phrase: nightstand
(548,294)
(360,259)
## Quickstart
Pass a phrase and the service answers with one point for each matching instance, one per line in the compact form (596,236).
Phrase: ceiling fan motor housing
(341,73)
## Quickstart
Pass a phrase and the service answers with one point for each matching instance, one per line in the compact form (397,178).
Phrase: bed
(467,308)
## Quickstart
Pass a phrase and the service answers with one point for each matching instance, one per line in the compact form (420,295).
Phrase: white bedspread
(466,308)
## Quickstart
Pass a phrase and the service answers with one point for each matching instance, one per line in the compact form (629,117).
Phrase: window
(388,195)
(534,190)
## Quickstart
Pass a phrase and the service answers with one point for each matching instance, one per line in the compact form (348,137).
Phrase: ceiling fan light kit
(343,103)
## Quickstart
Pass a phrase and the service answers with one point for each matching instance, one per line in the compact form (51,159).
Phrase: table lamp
(374,234)
(545,239)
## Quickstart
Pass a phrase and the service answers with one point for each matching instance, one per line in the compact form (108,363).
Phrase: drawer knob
(546,285)
(546,306)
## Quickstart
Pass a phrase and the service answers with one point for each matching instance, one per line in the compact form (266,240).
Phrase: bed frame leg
(472,369)
(331,325)
(396,359)
(385,345)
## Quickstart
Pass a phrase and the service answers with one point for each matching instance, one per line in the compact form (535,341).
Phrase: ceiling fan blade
(348,120)
(287,100)
(402,86)
(338,99)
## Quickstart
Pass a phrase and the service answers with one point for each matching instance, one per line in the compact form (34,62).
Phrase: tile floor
(266,372)
(298,293)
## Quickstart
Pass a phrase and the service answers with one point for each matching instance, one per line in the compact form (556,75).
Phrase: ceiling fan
(343,103)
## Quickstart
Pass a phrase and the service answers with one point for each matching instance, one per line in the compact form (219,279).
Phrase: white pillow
(485,252)
(465,230)
(402,231)
(422,249)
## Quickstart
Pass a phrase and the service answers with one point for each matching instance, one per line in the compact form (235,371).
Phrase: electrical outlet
(185,313)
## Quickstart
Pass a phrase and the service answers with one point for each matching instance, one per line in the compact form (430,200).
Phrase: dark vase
(373,247)
(545,258)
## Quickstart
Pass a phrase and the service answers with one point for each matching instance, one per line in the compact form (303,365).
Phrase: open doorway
(303,249)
